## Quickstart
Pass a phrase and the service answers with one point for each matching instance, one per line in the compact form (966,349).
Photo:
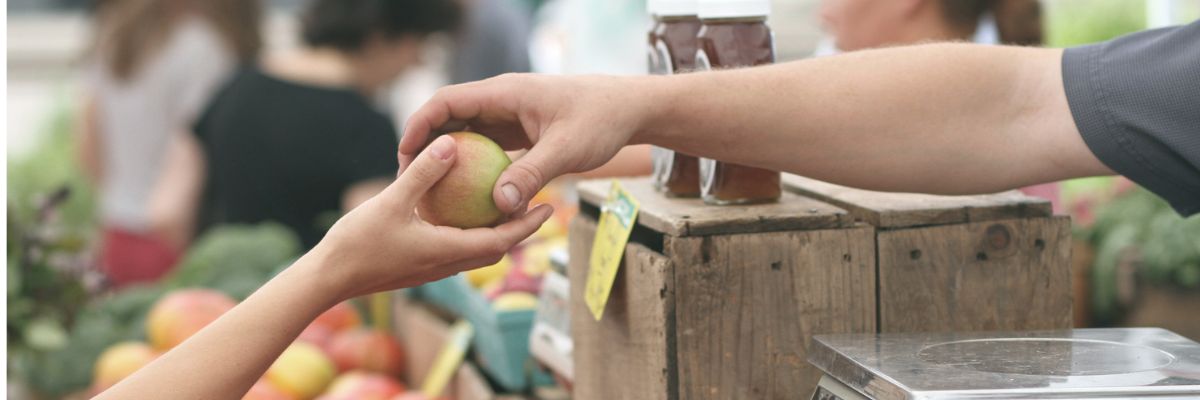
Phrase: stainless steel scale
(1071,364)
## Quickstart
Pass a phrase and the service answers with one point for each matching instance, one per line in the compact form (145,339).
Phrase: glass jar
(733,34)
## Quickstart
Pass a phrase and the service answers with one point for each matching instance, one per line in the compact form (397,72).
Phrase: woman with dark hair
(153,67)
(297,139)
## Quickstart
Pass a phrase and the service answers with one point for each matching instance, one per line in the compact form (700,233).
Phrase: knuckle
(528,176)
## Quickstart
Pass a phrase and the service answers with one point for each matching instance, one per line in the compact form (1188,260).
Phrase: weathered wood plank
(423,334)
(629,353)
(691,217)
(748,305)
(898,210)
(997,275)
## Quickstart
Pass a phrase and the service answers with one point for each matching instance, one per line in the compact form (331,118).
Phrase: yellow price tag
(617,216)
(448,359)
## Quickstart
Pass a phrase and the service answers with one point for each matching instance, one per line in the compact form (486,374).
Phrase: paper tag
(616,222)
(448,359)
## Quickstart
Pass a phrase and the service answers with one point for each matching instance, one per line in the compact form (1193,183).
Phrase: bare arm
(947,119)
(176,196)
(88,151)
(379,245)
(941,118)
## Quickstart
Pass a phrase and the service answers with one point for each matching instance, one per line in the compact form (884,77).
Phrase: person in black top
(296,141)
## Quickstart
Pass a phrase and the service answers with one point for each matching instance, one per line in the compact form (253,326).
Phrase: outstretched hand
(569,124)
(382,244)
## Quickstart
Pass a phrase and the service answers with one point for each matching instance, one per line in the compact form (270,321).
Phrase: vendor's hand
(382,244)
(570,124)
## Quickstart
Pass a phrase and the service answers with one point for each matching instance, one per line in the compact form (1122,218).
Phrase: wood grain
(897,210)
(997,275)
(691,217)
(629,353)
(748,305)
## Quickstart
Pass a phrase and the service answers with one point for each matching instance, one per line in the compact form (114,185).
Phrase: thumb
(526,176)
(425,170)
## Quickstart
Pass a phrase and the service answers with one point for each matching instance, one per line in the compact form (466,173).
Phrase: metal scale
(1124,363)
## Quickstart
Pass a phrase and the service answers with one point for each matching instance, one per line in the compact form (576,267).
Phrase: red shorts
(129,257)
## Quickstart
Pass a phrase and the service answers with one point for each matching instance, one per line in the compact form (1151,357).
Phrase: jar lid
(671,8)
(733,8)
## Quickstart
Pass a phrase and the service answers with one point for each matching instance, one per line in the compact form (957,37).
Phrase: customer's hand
(382,244)
(569,123)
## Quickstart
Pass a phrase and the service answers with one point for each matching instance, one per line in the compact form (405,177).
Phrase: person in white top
(154,66)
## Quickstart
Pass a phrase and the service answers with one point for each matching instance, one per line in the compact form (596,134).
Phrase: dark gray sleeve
(1136,101)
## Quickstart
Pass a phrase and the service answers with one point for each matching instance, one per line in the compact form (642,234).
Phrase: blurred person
(296,140)
(154,65)
(494,40)
(864,24)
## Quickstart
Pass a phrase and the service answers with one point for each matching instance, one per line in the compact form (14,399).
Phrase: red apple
(182,313)
(263,390)
(368,350)
(340,317)
(359,385)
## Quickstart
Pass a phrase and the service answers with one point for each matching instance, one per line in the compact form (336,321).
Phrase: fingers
(422,172)
(491,242)
(528,174)
(450,105)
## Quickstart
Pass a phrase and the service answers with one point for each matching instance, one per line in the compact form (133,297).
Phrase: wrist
(655,97)
(310,274)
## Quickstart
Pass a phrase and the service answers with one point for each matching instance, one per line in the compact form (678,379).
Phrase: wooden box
(721,302)
(422,334)
(962,263)
(718,302)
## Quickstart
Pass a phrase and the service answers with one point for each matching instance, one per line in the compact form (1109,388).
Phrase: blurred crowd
(188,122)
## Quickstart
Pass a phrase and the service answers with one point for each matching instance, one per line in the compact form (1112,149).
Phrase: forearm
(946,118)
(224,359)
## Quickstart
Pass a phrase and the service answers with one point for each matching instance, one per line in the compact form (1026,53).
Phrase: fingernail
(442,148)
(511,194)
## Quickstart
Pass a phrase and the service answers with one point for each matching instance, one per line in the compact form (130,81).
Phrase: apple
(480,276)
(182,313)
(463,197)
(263,390)
(415,395)
(359,385)
(367,350)
(119,361)
(340,317)
(302,371)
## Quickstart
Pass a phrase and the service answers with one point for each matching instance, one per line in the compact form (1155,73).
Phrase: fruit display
(181,314)
(463,198)
(120,361)
(302,371)
(360,385)
(337,356)
(367,350)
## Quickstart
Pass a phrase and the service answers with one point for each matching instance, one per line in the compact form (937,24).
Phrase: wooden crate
(962,263)
(721,302)
(423,333)
(718,302)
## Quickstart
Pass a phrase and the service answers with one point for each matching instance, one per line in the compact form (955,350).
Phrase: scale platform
(1115,363)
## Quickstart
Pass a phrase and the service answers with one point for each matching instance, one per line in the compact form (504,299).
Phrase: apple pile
(336,357)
